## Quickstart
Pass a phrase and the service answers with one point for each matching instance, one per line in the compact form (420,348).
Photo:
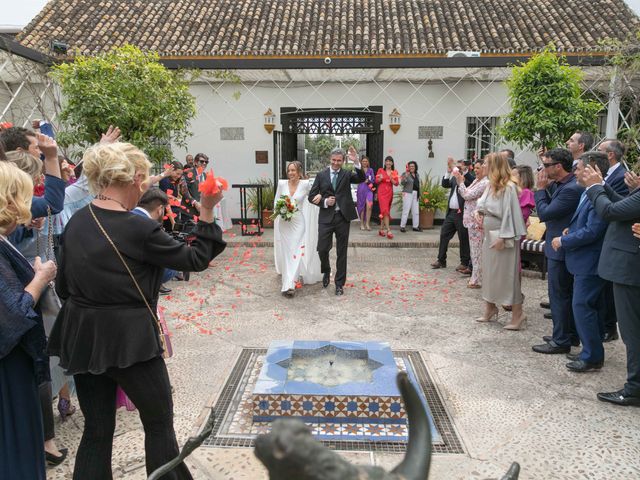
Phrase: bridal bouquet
(284,208)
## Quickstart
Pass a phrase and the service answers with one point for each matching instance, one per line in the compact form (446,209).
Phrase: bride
(295,240)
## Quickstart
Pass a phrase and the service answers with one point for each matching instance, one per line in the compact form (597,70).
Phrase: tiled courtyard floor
(506,402)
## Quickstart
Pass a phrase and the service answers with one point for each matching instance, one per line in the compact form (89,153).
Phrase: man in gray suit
(620,264)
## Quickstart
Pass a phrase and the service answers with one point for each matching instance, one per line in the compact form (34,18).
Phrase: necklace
(104,197)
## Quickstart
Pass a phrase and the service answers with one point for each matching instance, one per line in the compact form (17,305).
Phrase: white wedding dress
(295,241)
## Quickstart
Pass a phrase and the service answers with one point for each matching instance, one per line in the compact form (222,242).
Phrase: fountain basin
(329,382)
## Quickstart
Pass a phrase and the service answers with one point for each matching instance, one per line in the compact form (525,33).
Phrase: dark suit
(582,246)
(556,207)
(620,264)
(453,223)
(168,274)
(335,220)
(616,182)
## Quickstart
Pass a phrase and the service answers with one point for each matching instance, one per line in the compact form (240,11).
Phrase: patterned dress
(471,194)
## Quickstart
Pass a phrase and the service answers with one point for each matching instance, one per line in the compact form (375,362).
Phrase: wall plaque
(232,133)
(433,133)
(262,156)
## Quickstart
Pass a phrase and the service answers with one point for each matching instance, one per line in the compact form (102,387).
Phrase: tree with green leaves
(128,88)
(547,105)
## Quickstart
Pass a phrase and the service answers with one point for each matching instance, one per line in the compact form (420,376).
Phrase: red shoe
(389,235)
(382,233)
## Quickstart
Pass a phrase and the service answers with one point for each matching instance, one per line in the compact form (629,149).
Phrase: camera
(327,60)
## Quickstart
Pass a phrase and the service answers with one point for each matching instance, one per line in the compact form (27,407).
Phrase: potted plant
(431,197)
(268,196)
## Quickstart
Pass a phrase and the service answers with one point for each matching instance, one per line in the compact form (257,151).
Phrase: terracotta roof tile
(335,27)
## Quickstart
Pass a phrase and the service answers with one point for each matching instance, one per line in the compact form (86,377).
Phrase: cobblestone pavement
(506,402)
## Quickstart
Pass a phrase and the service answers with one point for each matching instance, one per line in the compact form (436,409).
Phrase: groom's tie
(334,179)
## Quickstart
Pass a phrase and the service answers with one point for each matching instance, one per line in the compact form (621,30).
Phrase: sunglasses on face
(545,165)
(203,161)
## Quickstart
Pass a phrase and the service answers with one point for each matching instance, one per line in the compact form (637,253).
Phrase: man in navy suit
(620,264)
(615,171)
(582,243)
(331,191)
(556,208)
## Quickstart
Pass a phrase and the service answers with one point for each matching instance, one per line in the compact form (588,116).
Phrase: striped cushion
(536,246)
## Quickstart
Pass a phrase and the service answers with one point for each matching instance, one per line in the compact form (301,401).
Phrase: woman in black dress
(106,334)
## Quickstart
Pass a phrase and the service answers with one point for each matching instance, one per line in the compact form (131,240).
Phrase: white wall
(430,104)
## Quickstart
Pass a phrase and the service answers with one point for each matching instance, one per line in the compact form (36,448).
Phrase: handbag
(49,303)
(163,331)
(494,235)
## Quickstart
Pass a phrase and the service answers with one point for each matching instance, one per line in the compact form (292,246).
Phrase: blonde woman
(106,333)
(22,337)
(295,241)
(503,226)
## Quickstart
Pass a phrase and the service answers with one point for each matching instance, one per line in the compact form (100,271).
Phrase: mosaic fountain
(326,382)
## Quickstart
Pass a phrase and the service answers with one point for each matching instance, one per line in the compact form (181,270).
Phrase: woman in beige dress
(503,226)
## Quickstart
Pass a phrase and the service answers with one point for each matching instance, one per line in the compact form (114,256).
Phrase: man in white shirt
(453,219)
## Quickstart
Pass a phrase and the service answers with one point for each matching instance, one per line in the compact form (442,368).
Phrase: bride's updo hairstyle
(298,166)
(114,164)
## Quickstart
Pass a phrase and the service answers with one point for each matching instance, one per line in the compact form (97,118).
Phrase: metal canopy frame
(26,85)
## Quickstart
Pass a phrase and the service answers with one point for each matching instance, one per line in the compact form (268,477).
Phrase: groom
(331,191)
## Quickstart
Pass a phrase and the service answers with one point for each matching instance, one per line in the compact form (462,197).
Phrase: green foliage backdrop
(547,106)
(128,88)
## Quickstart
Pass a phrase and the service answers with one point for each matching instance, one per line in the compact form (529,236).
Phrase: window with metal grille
(481,136)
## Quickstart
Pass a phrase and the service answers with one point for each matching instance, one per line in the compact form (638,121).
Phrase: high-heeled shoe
(382,233)
(519,325)
(492,317)
(66,408)
(53,460)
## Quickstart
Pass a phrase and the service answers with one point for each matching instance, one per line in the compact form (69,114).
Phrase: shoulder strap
(135,282)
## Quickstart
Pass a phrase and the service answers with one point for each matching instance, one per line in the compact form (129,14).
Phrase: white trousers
(410,204)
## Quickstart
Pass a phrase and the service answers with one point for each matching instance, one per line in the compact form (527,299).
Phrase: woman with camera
(107,337)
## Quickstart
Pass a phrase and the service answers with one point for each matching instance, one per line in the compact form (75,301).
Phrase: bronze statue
(190,445)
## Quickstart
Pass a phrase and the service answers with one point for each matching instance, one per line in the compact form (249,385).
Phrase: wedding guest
(109,337)
(579,143)
(410,182)
(619,264)
(22,336)
(556,203)
(582,243)
(386,178)
(453,218)
(364,195)
(614,176)
(182,202)
(296,240)
(503,226)
(471,194)
(524,178)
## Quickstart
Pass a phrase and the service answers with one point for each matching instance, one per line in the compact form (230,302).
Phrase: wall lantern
(394,120)
(269,121)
